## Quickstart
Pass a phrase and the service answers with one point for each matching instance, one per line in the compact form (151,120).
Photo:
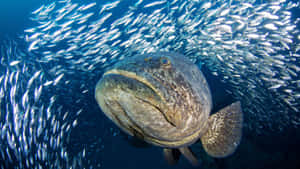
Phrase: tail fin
(224,131)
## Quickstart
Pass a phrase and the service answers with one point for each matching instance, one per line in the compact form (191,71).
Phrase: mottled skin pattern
(162,98)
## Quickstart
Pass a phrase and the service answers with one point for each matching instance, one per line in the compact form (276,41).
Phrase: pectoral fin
(224,131)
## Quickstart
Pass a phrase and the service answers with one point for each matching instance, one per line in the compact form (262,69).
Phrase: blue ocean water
(95,139)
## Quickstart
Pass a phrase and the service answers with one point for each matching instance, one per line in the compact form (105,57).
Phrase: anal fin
(224,131)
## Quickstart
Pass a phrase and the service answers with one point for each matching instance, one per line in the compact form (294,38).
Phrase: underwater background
(52,53)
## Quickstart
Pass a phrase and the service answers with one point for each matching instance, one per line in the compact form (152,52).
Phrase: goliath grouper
(164,99)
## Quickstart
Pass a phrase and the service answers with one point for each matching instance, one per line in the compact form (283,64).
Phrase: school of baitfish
(251,45)
(33,124)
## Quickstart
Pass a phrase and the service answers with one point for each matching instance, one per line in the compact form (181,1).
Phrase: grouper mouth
(125,95)
(144,81)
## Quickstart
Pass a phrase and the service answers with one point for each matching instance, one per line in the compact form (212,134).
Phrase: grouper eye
(164,61)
